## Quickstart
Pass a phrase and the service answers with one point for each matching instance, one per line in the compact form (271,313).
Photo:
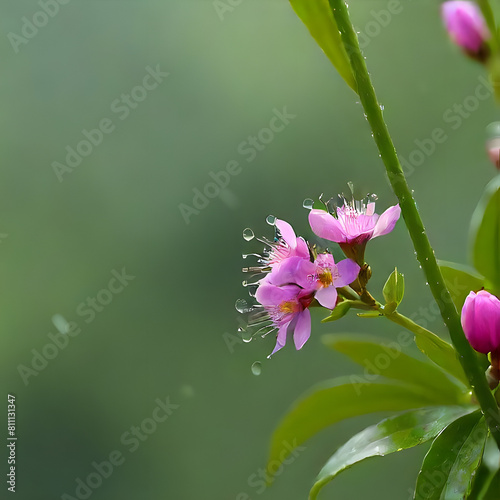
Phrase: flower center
(289,307)
(325,277)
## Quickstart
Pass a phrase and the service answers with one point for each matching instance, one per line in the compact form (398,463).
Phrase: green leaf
(319,20)
(391,435)
(485,232)
(493,491)
(334,400)
(340,311)
(441,353)
(380,357)
(460,281)
(394,288)
(449,467)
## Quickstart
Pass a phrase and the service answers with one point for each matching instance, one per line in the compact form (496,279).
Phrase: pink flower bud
(493,143)
(481,321)
(467,27)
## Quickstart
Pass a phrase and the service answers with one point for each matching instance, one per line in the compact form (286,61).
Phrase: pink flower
(287,244)
(466,26)
(322,276)
(353,225)
(287,307)
(481,321)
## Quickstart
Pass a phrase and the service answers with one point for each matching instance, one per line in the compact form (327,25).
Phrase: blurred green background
(166,334)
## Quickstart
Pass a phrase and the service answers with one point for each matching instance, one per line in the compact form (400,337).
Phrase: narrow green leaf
(391,435)
(340,311)
(318,18)
(449,467)
(381,357)
(394,288)
(334,400)
(441,353)
(485,232)
(460,281)
(493,491)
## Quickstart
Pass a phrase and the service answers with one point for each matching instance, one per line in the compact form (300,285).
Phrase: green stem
(423,249)
(488,16)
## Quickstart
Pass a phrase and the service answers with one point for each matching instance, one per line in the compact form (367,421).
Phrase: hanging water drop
(271,220)
(246,337)
(248,234)
(257,368)
(374,197)
(242,306)
(308,203)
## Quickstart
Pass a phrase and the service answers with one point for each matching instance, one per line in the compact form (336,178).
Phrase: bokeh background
(172,331)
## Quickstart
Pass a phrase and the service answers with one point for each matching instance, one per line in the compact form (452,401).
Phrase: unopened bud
(467,27)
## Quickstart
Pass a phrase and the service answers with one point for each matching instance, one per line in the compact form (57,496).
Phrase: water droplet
(351,187)
(248,234)
(241,329)
(381,107)
(374,197)
(60,323)
(271,220)
(308,203)
(257,368)
(242,306)
(246,337)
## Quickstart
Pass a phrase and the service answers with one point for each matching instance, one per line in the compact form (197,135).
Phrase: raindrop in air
(248,234)
(257,368)
(60,323)
(271,220)
(308,203)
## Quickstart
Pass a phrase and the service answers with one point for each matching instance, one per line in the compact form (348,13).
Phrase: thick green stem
(423,249)
(488,16)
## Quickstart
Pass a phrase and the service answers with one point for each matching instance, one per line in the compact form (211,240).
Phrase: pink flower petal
(281,338)
(326,226)
(287,233)
(271,295)
(327,296)
(294,270)
(387,221)
(348,272)
(302,329)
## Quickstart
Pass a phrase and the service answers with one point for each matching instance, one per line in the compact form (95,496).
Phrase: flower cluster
(297,276)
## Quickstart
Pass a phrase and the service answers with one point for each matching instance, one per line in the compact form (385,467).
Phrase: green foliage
(449,467)
(441,353)
(317,16)
(485,234)
(394,289)
(493,491)
(340,311)
(460,280)
(334,400)
(390,435)
(384,358)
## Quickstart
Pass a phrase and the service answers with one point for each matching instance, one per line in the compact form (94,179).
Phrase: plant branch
(411,215)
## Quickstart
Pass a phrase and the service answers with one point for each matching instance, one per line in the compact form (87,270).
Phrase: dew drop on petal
(248,234)
(308,203)
(257,368)
(271,220)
